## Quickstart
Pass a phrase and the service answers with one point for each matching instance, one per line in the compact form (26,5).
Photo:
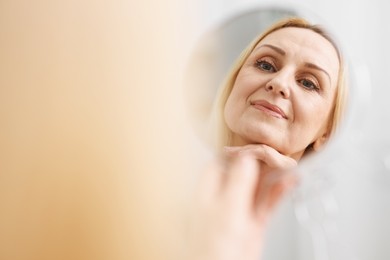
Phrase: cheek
(235,105)
(243,88)
(313,117)
(231,109)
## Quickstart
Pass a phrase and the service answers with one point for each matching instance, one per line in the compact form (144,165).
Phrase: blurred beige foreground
(89,165)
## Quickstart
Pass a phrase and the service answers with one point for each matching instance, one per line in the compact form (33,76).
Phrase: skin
(296,70)
(232,208)
(238,194)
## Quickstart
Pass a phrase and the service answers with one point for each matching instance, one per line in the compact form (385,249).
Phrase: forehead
(305,45)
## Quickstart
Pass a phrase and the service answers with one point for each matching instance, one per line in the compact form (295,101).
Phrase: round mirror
(211,61)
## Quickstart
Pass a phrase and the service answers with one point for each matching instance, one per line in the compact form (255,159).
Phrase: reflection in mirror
(217,60)
(215,54)
(283,99)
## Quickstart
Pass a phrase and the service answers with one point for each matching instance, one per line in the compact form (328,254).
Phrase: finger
(242,178)
(271,157)
(265,153)
(232,151)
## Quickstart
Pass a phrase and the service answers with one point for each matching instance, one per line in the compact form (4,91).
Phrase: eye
(309,84)
(265,66)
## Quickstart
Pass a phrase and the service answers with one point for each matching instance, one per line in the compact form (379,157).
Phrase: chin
(256,138)
(265,136)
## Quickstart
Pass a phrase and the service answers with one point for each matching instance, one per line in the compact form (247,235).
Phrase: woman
(283,99)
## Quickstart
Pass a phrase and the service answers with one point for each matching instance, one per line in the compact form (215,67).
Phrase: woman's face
(284,93)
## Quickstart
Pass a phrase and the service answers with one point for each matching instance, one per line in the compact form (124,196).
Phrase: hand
(231,209)
(265,154)
(276,176)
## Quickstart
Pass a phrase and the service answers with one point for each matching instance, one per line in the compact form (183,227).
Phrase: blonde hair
(222,135)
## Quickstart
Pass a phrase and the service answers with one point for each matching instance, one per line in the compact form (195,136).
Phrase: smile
(268,108)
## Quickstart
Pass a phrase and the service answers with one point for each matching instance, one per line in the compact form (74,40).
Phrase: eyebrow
(307,64)
(313,66)
(277,49)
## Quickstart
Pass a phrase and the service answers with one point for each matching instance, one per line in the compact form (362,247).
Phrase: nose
(279,84)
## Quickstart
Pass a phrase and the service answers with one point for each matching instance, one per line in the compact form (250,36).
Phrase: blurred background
(89,95)
(342,207)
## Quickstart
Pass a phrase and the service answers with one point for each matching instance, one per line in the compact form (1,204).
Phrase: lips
(269,108)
